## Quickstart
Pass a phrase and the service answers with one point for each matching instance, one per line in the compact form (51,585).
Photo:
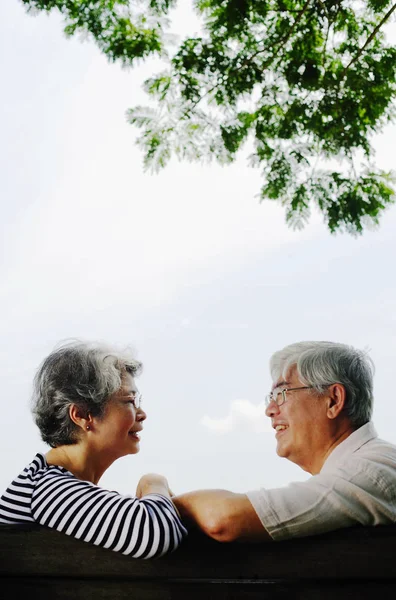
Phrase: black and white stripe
(53,497)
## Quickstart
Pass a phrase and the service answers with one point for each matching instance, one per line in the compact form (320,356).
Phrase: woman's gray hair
(319,364)
(84,374)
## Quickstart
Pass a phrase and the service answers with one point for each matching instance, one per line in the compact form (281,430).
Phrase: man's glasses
(278,395)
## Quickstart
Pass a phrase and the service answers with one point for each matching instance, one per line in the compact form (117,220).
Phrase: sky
(186,267)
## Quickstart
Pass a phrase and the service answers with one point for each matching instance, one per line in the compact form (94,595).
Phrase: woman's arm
(222,515)
(142,528)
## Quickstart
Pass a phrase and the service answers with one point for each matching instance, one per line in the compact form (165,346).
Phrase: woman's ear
(80,418)
(337,397)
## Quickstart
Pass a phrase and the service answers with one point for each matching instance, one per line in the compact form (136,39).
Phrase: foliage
(123,34)
(306,82)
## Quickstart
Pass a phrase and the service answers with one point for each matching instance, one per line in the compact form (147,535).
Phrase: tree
(306,82)
(121,31)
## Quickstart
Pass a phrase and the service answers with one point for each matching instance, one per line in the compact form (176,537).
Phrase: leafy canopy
(306,82)
(123,30)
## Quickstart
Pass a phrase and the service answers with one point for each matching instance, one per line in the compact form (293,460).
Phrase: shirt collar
(353,442)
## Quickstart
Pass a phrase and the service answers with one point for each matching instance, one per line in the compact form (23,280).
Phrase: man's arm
(222,515)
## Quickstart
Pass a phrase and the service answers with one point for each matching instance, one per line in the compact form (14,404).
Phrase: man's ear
(336,400)
(80,417)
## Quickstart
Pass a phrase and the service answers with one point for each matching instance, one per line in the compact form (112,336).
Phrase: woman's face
(118,431)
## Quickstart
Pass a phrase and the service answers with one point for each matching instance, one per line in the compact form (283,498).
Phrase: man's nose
(272,409)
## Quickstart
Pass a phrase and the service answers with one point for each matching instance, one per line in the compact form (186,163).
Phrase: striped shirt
(54,497)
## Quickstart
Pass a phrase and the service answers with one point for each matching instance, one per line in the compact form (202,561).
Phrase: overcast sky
(185,266)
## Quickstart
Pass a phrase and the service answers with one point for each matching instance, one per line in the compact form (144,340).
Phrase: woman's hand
(152,483)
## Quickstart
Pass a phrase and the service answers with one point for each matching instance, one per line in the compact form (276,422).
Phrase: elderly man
(320,407)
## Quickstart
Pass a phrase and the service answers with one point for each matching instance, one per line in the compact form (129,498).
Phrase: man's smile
(279,428)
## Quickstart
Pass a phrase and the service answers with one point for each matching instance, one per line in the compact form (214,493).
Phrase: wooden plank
(360,553)
(102,589)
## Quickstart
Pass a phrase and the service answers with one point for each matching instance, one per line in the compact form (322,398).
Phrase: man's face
(301,424)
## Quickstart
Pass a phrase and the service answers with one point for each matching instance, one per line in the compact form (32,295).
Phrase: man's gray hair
(85,374)
(319,364)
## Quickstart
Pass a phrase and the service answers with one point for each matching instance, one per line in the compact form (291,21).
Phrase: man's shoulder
(371,467)
(377,450)
(378,456)
(362,461)
(361,445)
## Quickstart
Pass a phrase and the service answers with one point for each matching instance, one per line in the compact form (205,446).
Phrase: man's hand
(152,483)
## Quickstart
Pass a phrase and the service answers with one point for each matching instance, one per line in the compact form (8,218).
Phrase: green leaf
(306,81)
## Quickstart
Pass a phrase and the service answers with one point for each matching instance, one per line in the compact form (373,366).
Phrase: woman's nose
(141,415)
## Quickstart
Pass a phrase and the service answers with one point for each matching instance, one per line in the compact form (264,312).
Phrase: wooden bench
(353,563)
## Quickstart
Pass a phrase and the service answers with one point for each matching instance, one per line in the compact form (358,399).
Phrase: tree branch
(322,4)
(370,38)
(194,104)
(280,44)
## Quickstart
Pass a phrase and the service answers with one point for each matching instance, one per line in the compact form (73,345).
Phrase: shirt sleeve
(324,502)
(142,528)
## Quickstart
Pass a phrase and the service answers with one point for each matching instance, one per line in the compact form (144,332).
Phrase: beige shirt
(356,486)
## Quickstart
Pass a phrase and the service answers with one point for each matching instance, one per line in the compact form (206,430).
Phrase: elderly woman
(88,409)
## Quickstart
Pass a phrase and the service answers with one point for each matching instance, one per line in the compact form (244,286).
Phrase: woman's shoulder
(38,468)
(35,468)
